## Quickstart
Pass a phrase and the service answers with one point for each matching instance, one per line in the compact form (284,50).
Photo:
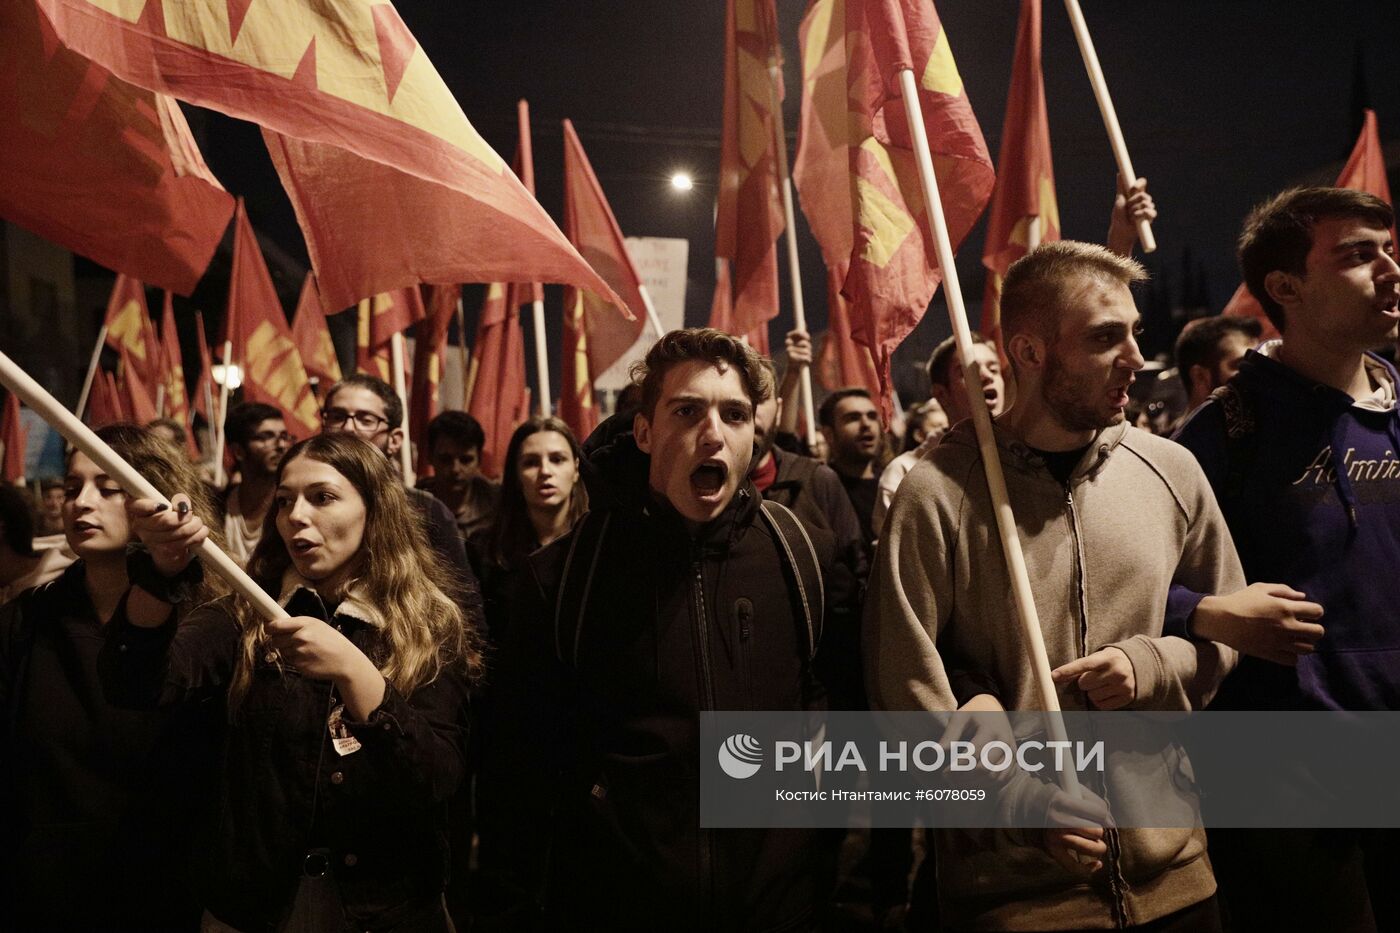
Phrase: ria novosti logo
(740,756)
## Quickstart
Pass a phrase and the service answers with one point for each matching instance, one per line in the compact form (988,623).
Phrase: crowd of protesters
(483,709)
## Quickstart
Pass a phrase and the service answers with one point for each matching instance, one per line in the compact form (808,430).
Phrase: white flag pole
(982,422)
(396,360)
(799,309)
(81,437)
(1126,174)
(541,358)
(91,372)
(652,316)
(222,415)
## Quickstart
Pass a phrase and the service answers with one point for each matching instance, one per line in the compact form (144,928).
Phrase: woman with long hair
(94,799)
(348,721)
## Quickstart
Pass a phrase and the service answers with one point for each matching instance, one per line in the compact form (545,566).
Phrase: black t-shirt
(862,493)
(1061,463)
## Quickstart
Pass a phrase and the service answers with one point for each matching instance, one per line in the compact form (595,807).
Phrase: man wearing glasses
(257,440)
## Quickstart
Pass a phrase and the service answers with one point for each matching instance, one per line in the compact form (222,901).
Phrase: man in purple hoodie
(1302,448)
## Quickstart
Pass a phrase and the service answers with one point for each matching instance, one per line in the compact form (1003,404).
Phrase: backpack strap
(571,605)
(800,559)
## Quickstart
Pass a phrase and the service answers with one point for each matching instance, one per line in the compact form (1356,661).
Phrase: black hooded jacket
(603,712)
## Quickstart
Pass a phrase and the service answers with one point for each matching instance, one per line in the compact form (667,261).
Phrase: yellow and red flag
(722,310)
(13,437)
(177,403)
(1023,202)
(103,168)
(313,338)
(391,184)
(893,265)
(499,397)
(138,403)
(596,332)
(129,326)
(378,320)
(1364,171)
(429,357)
(262,341)
(842,362)
(749,218)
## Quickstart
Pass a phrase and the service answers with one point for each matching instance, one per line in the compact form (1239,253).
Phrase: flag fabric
(138,403)
(13,437)
(102,408)
(722,310)
(129,326)
(1025,186)
(378,320)
(842,362)
(1364,171)
(96,165)
(313,337)
(391,184)
(204,385)
(882,226)
(262,341)
(595,334)
(499,397)
(429,356)
(749,218)
(177,403)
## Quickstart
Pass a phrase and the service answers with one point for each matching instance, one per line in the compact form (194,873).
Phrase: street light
(681,181)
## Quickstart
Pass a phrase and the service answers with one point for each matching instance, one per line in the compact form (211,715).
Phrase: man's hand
(1129,208)
(1074,832)
(1106,676)
(799,348)
(1272,621)
(989,724)
(170,533)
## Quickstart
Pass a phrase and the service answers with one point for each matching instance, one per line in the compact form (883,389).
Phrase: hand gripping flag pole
(986,442)
(133,483)
(1126,175)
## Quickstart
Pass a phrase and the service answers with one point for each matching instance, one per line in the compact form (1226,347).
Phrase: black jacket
(377,812)
(675,625)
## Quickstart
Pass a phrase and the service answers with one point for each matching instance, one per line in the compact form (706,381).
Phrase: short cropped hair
(458,427)
(244,418)
(171,425)
(17,515)
(1277,234)
(1199,343)
(1039,285)
(826,415)
(940,361)
(393,405)
(705,344)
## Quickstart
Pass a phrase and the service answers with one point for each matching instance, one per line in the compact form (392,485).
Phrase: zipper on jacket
(707,687)
(1116,881)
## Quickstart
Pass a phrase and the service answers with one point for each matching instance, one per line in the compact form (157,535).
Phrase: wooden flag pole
(91,371)
(986,440)
(133,483)
(160,401)
(541,358)
(222,415)
(799,311)
(652,316)
(1126,175)
(462,349)
(1033,233)
(396,358)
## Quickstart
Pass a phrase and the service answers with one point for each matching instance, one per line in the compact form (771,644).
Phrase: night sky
(1222,102)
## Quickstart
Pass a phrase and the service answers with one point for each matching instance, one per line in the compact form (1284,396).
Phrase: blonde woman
(348,720)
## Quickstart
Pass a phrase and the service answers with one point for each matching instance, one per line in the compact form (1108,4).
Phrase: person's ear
(395,441)
(1282,287)
(1199,379)
(1026,350)
(641,432)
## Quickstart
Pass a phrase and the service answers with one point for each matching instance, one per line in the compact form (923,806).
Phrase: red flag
(1364,171)
(103,168)
(13,437)
(893,265)
(391,184)
(429,356)
(139,404)
(177,403)
(1025,187)
(379,319)
(313,338)
(118,405)
(204,385)
(499,397)
(103,408)
(722,310)
(129,326)
(591,226)
(842,362)
(749,218)
(262,341)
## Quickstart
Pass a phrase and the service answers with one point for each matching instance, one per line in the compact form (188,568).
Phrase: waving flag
(204,385)
(842,362)
(177,403)
(129,326)
(12,436)
(313,338)
(429,356)
(391,184)
(138,401)
(103,168)
(499,397)
(379,319)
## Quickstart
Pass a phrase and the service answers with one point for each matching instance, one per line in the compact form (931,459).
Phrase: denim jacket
(291,803)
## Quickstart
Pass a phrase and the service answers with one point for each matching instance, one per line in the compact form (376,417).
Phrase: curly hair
(705,344)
